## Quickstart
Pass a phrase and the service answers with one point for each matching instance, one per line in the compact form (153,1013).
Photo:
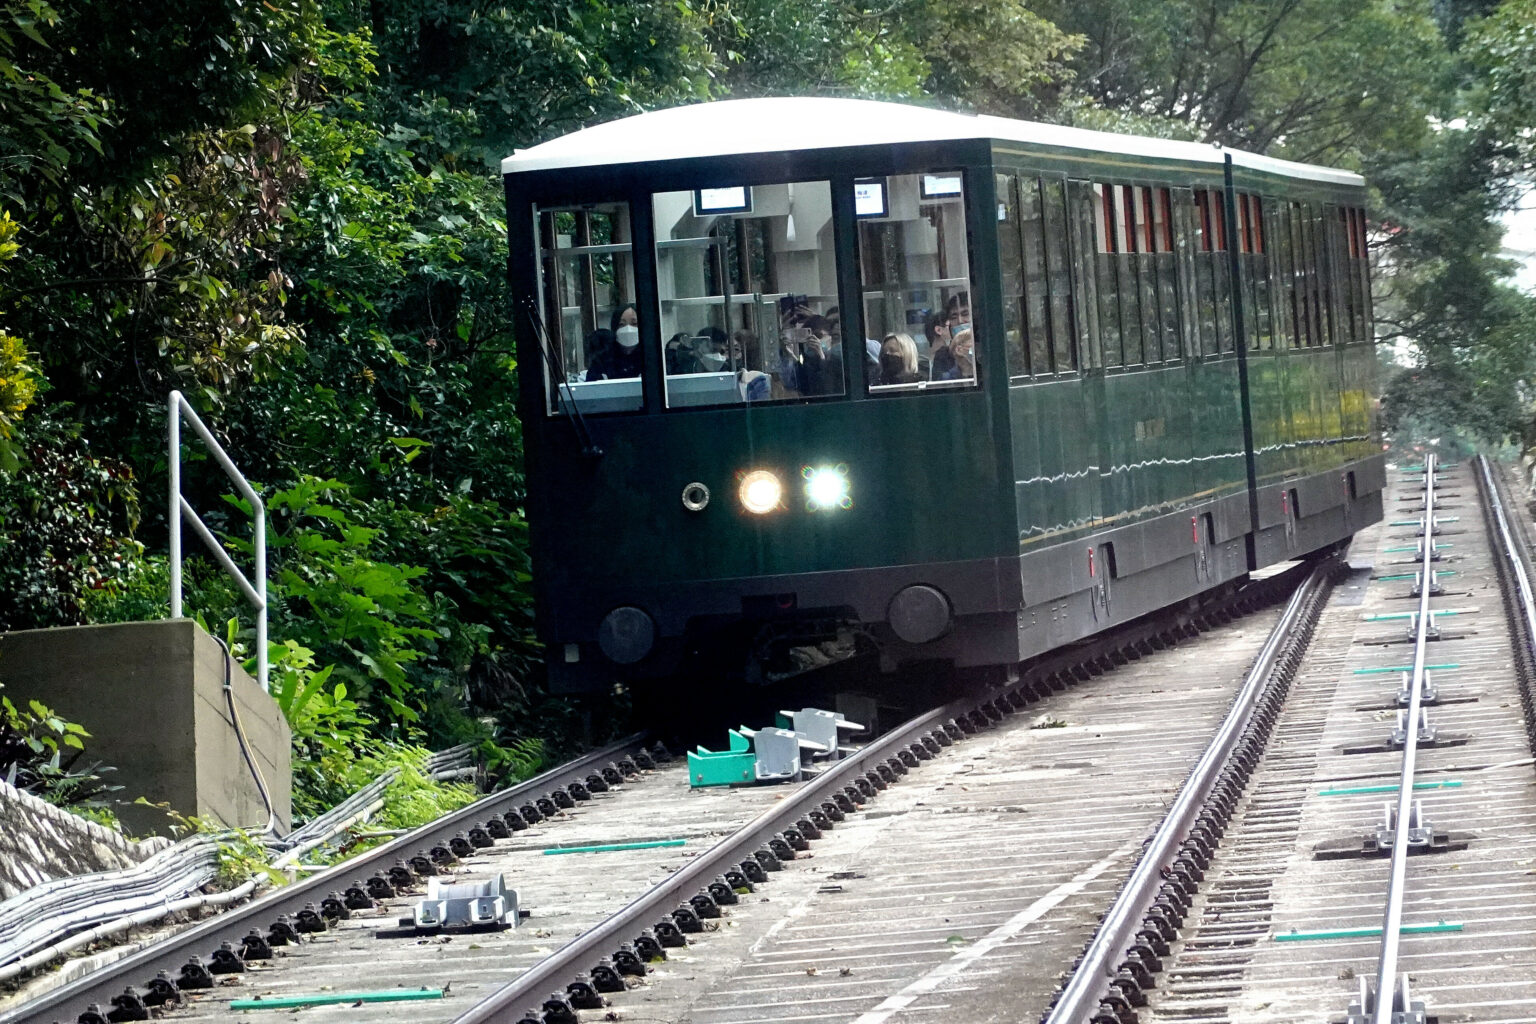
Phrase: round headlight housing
(760,492)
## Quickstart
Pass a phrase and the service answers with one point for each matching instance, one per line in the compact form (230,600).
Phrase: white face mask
(628,335)
(712,360)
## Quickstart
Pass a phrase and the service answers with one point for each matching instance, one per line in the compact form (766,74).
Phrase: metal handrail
(255,593)
(1388,990)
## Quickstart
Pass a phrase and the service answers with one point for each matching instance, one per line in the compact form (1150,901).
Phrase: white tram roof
(738,127)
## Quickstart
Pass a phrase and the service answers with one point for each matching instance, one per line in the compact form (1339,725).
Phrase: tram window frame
(761,310)
(1281,287)
(1056,215)
(1184,226)
(560,397)
(1085,299)
(1108,286)
(1010,262)
(948,288)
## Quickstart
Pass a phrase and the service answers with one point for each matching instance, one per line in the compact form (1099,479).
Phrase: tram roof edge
(772,125)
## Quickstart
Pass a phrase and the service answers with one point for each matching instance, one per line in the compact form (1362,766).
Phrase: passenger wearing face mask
(898,360)
(956,361)
(622,359)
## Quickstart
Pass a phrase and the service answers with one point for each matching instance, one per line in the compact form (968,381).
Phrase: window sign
(714,201)
(940,186)
(869,198)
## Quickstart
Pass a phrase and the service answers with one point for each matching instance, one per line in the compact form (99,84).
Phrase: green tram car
(1158,375)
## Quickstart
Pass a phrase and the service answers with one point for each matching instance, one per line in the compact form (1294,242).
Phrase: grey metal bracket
(466,906)
(1405,1009)
(1428,695)
(1435,588)
(826,728)
(1427,733)
(777,753)
(1422,837)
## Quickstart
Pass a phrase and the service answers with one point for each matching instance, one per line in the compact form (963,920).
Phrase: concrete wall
(40,842)
(151,695)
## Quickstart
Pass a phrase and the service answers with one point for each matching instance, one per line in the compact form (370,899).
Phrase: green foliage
(1292,78)
(65,517)
(990,55)
(40,753)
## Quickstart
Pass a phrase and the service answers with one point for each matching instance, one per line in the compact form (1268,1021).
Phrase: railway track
(968,890)
(1311,909)
(597,914)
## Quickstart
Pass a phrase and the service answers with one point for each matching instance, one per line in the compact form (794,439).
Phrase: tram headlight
(827,487)
(760,492)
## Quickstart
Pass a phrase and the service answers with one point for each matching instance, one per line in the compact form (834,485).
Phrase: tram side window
(747,288)
(1010,258)
(1214,284)
(915,283)
(1282,286)
(1059,275)
(1107,238)
(1359,273)
(1255,263)
(587,288)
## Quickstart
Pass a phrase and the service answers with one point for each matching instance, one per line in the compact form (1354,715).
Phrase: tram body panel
(1092,468)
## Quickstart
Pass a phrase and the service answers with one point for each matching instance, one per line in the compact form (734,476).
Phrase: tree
(1313,80)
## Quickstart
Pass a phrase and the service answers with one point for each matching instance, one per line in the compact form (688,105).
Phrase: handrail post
(174,516)
(255,593)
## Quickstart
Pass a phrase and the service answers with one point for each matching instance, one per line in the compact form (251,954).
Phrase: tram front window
(587,288)
(916,282)
(747,282)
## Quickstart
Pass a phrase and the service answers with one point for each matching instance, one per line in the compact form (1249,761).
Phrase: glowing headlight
(826,487)
(760,492)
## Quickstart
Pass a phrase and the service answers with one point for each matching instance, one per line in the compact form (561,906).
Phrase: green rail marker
(1387,616)
(1420,522)
(1365,933)
(1403,668)
(330,998)
(1435,573)
(610,847)
(1438,547)
(1447,784)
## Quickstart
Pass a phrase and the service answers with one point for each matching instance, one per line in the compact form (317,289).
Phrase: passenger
(950,362)
(936,333)
(599,341)
(713,353)
(754,384)
(963,348)
(622,359)
(959,309)
(898,360)
(821,369)
(679,355)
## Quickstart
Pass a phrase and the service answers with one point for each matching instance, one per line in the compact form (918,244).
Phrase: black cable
(245,748)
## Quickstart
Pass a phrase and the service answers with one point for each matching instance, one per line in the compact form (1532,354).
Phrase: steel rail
(1388,990)
(1117,934)
(506,1005)
(1510,549)
(66,1002)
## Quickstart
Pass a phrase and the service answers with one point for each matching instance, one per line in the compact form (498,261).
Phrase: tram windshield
(747,289)
(587,280)
(746,300)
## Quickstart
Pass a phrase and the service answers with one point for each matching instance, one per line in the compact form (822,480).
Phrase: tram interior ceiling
(964,388)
